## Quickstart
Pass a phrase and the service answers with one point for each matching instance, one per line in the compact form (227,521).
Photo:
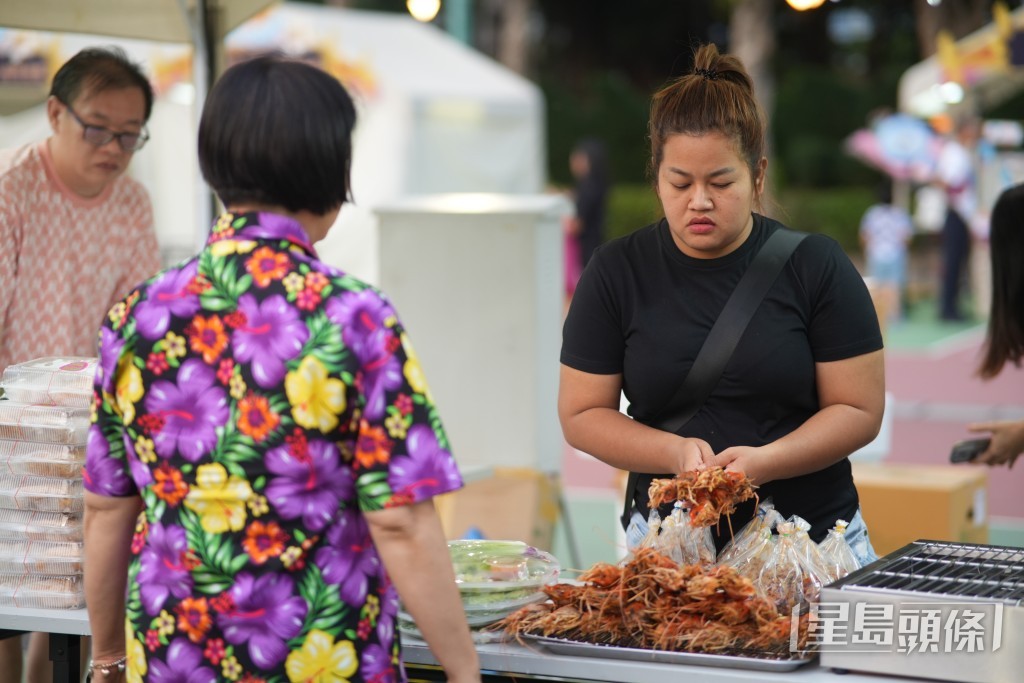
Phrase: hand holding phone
(968,450)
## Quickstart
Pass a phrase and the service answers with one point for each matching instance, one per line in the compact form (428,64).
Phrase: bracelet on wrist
(107,668)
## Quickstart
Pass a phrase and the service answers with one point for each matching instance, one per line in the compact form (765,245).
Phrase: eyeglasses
(99,136)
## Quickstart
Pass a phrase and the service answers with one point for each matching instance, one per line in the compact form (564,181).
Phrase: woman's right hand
(692,454)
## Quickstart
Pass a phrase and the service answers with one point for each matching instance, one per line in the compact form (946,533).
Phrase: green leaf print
(327,611)
(374,487)
(324,343)
(215,552)
(216,303)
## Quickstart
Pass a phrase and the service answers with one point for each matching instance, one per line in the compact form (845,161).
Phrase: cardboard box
(513,504)
(904,503)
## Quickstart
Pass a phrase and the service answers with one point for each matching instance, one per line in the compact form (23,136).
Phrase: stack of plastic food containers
(495,578)
(44,424)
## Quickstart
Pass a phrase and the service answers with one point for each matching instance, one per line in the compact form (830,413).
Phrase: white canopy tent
(434,115)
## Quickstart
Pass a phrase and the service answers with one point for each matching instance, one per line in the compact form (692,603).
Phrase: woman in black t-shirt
(805,385)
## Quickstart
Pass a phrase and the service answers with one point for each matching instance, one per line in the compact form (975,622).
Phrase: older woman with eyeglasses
(75,232)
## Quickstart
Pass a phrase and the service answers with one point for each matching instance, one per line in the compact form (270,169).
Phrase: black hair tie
(707,74)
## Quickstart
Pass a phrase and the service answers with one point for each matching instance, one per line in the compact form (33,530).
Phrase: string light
(801,5)
(423,10)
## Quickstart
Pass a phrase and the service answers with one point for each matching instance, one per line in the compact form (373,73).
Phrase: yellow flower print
(293,282)
(135,667)
(230,667)
(117,311)
(321,660)
(395,425)
(258,505)
(174,345)
(165,623)
(237,387)
(128,388)
(218,499)
(145,450)
(413,372)
(291,555)
(229,246)
(372,607)
(316,398)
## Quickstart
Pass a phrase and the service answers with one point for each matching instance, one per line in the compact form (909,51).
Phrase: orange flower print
(169,485)
(264,541)
(373,446)
(206,336)
(255,418)
(316,281)
(193,618)
(266,265)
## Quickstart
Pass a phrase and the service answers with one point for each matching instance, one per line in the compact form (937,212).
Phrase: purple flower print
(349,558)
(184,665)
(388,612)
(162,567)
(192,410)
(361,316)
(266,614)
(110,352)
(427,470)
(167,296)
(375,665)
(272,335)
(103,474)
(274,226)
(308,485)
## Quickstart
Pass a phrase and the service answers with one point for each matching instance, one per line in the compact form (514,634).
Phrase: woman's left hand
(749,460)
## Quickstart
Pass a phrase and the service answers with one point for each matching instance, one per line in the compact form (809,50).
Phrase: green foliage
(631,206)
(833,211)
(605,106)
(815,110)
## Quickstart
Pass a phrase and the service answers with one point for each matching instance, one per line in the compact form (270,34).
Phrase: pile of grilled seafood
(710,493)
(652,603)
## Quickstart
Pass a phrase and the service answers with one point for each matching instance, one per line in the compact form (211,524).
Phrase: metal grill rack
(939,568)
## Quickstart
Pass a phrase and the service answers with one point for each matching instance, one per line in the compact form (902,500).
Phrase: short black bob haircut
(97,69)
(277,132)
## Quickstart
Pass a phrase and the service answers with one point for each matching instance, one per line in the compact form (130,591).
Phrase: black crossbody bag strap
(721,341)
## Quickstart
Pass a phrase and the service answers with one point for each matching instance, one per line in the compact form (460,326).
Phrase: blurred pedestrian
(588,163)
(804,386)
(956,175)
(267,415)
(1004,341)
(75,233)
(885,234)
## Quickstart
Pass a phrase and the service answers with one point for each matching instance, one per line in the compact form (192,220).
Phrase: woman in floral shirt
(267,415)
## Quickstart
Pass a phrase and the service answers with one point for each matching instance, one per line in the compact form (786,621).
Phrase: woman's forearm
(620,441)
(109,524)
(412,546)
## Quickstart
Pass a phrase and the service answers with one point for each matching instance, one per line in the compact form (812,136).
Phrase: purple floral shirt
(259,401)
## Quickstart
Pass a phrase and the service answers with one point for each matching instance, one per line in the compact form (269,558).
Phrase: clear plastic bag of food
(52,380)
(749,559)
(650,539)
(683,542)
(785,579)
(753,533)
(837,554)
(42,459)
(808,549)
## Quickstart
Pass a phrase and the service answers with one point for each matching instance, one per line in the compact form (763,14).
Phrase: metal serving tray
(572,648)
